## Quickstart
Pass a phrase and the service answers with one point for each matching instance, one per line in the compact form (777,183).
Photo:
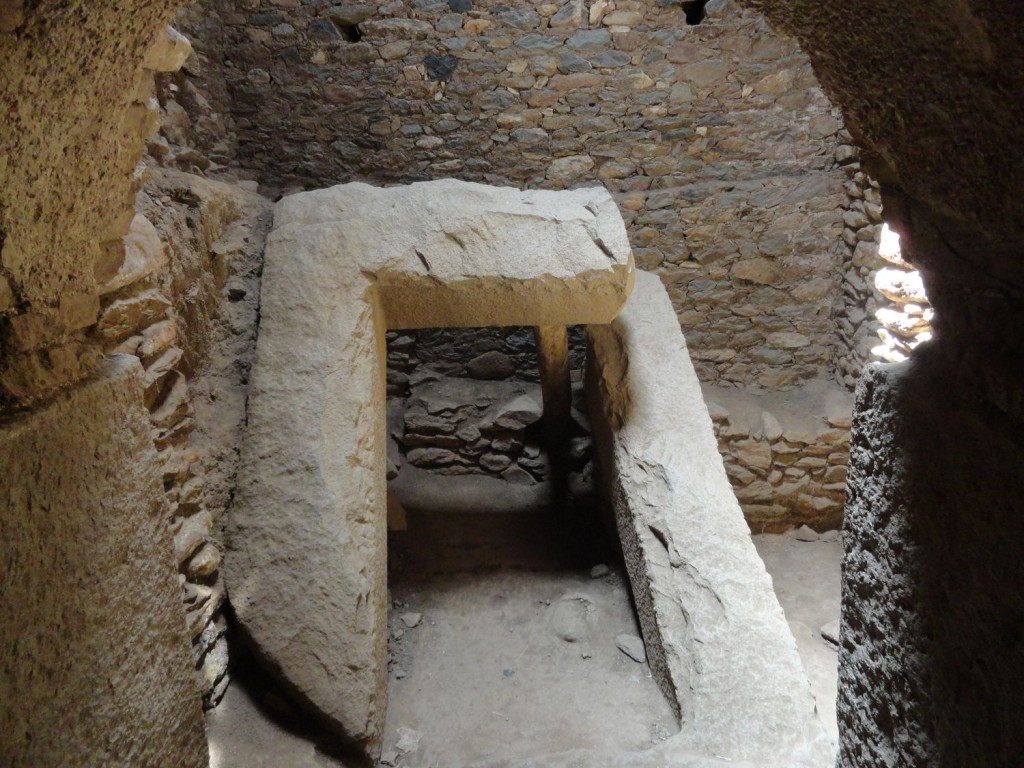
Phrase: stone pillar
(932,654)
(553,362)
(97,667)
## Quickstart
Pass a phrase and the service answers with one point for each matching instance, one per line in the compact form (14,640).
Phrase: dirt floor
(504,645)
(806,579)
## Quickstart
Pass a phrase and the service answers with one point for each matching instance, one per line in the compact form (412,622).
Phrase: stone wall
(96,667)
(447,391)
(184,302)
(885,312)
(785,453)
(715,139)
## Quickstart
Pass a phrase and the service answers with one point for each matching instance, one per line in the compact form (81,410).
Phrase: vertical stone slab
(553,362)
(931,661)
(96,666)
(717,640)
(306,562)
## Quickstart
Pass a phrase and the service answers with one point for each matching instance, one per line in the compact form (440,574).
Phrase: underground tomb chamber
(308,540)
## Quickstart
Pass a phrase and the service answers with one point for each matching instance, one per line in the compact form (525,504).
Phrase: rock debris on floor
(525,661)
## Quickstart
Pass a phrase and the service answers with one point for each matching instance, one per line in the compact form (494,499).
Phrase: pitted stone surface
(307,561)
(716,637)
(96,662)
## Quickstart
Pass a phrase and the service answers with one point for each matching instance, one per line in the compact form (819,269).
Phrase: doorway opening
(510,610)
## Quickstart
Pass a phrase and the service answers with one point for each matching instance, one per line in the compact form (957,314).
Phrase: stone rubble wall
(884,312)
(444,386)
(716,141)
(785,453)
(184,303)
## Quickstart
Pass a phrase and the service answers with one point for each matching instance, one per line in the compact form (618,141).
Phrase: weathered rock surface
(716,637)
(929,458)
(308,530)
(67,700)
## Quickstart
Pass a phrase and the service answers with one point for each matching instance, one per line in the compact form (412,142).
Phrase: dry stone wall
(715,139)
(184,302)
(884,311)
(786,453)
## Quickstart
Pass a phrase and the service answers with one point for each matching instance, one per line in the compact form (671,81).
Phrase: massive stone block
(96,665)
(717,640)
(306,566)
(931,656)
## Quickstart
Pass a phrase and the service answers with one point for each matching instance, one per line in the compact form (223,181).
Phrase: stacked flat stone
(883,296)
(138,318)
(784,474)
(905,314)
(463,427)
(855,310)
(163,305)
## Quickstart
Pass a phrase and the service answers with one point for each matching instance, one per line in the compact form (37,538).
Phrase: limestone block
(716,637)
(97,664)
(168,52)
(306,558)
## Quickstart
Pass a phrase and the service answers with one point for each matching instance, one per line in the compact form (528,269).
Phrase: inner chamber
(512,632)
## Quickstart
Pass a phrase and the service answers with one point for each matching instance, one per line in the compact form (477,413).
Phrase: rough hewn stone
(928,674)
(716,638)
(87,566)
(308,527)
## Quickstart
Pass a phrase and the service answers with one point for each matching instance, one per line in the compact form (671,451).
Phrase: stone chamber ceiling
(753,159)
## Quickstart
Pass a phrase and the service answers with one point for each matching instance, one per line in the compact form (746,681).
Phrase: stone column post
(553,362)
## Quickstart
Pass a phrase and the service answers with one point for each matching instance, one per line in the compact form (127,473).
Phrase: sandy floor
(480,664)
(513,652)
(806,578)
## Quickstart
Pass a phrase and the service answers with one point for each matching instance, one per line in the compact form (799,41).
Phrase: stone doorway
(342,266)
(308,552)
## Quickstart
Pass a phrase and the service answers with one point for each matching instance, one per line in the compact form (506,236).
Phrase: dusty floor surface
(515,658)
(481,604)
(806,579)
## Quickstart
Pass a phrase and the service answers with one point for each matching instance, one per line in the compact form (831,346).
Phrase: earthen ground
(806,579)
(484,673)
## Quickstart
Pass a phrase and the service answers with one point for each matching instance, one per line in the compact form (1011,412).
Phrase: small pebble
(400,673)
(599,570)
(806,533)
(408,739)
(411,619)
(632,646)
